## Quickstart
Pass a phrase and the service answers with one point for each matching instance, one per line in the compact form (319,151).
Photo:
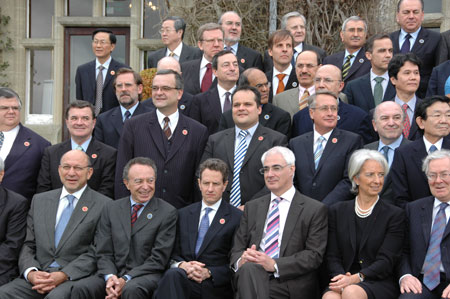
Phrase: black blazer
(191,76)
(207,110)
(184,104)
(439,75)
(361,65)
(268,62)
(292,82)
(187,53)
(248,58)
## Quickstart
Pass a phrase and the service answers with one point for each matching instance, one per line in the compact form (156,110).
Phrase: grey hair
(357,160)
(138,161)
(8,93)
(443,153)
(292,14)
(287,154)
(354,18)
(229,11)
(312,98)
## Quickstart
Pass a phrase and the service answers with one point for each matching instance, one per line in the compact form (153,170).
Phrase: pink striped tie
(272,230)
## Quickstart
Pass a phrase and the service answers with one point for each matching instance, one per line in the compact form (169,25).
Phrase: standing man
(231,24)
(203,271)
(352,61)
(172,34)
(134,240)
(241,147)
(173,141)
(58,250)
(197,74)
(93,79)
(80,121)
(412,37)
(21,148)
(379,53)
(128,86)
(273,253)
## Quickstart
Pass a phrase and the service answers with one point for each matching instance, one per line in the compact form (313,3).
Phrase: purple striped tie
(134,214)
(272,230)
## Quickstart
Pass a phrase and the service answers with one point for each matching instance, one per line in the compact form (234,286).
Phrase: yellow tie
(303,101)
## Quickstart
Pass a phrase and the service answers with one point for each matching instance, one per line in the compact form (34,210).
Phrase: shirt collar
(403,33)
(132,109)
(132,202)
(84,145)
(204,62)
(234,48)
(326,135)
(354,53)
(311,89)
(177,50)
(411,103)
(251,130)
(105,65)
(286,71)
(393,145)
(173,118)
(77,194)
(215,206)
(288,195)
(222,91)
(373,75)
(428,144)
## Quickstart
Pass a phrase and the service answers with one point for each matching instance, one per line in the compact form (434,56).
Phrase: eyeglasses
(214,40)
(76,168)
(100,42)
(266,85)
(325,108)
(432,176)
(275,168)
(163,88)
(326,80)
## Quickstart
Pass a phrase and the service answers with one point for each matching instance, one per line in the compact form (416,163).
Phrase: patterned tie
(280,87)
(64,219)
(385,150)
(99,91)
(166,128)
(271,246)
(346,66)
(80,148)
(432,149)
(406,123)
(227,103)
(378,90)
(2,139)
(431,267)
(207,78)
(406,47)
(203,228)
(303,101)
(134,214)
(239,155)
(127,115)
(171,54)
(319,151)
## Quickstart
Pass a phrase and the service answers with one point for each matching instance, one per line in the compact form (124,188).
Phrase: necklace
(364,213)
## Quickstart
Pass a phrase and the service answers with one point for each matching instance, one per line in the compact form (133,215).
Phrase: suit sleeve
(241,239)
(98,131)
(349,93)
(405,267)
(27,257)
(108,170)
(334,254)
(432,83)
(284,124)
(196,112)
(399,179)
(124,154)
(104,245)
(78,90)
(44,180)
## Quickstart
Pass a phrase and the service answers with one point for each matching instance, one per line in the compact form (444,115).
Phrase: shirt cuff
(175,264)
(276,274)
(403,276)
(25,274)
(107,276)
(235,267)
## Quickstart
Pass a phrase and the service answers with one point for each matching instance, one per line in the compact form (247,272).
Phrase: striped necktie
(134,214)
(346,66)
(239,155)
(99,91)
(319,150)
(271,245)
(303,101)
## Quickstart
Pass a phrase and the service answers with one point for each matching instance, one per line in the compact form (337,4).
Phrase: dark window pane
(41,82)
(433,6)
(41,18)
(153,10)
(80,8)
(118,8)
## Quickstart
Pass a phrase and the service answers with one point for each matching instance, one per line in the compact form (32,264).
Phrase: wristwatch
(361,276)
(125,278)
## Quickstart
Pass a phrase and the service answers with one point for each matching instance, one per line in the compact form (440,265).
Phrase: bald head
(75,170)
(256,78)
(169,63)
(329,77)
(388,121)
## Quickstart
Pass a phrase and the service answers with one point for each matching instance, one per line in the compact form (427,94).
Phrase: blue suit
(361,65)
(439,75)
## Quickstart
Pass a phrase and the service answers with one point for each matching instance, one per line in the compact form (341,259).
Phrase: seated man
(282,237)
(203,271)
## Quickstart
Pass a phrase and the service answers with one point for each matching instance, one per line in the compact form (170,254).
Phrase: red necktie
(134,214)
(207,78)
(406,123)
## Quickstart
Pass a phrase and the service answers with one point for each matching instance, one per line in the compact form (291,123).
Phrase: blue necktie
(204,225)
(271,244)
(127,115)
(239,155)
(432,149)
(385,150)
(406,47)
(319,151)
(64,219)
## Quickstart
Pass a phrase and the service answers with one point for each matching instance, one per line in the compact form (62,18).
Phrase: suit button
(164,190)
(314,184)
(360,261)
(166,171)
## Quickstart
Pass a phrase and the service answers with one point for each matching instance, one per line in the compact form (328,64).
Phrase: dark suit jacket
(248,58)
(361,65)
(13,222)
(271,117)
(75,252)
(414,132)
(184,104)
(359,93)
(268,62)
(23,162)
(216,246)
(440,74)
(86,84)
(301,249)
(426,48)
(143,137)
(444,53)
(191,76)
(419,216)
(109,125)
(329,183)
(380,243)
(139,250)
(103,160)
(292,82)
(221,146)
(387,194)
(408,180)
(207,110)
(187,53)
(351,118)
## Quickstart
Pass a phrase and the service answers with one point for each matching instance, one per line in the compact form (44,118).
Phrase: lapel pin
(94,156)
(266,117)
(334,140)
(421,41)
(361,60)
(294,84)
(222,221)
(260,138)
(84,209)
(242,60)
(149,216)
(184,132)
(112,73)
(26,143)
(182,107)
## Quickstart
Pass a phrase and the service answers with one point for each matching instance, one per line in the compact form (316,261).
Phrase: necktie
(406,47)
(80,148)
(293,58)
(203,228)
(432,149)
(207,78)
(227,103)
(2,139)
(385,150)
(166,128)
(134,214)
(271,246)
(99,91)
(64,219)
(239,155)
(127,115)
(171,54)
(406,123)
(378,90)
(303,101)
(280,87)
(319,150)
(346,66)
(431,271)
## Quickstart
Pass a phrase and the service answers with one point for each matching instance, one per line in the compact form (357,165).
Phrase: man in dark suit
(273,253)
(282,76)
(438,80)
(444,47)
(57,253)
(128,86)
(425,266)
(241,147)
(379,53)
(388,123)
(174,141)
(172,34)
(232,28)
(205,231)
(322,172)
(80,121)
(412,37)
(207,107)
(13,222)
(197,74)
(408,180)
(271,116)
(352,61)
(296,24)
(21,148)
(350,118)
(135,237)
(99,73)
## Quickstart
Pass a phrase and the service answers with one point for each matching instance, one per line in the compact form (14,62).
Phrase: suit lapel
(192,226)
(179,136)
(111,68)
(394,38)
(51,206)
(351,226)
(21,144)
(427,215)
(265,114)
(370,224)
(293,216)
(93,151)
(309,150)
(329,147)
(359,60)
(145,217)
(261,212)
(422,36)
(292,81)
(155,132)
(229,147)
(365,87)
(214,103)
(293,99)
(92,79)
(223,213)
(390,92)
(257,139)
(125,218)
(117,120)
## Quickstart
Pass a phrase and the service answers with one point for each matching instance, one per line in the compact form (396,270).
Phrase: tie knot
(137,207)
(171,54)
(379,79)
(281,76)
(207,210)
(385,149)
(70,198)
(408,36)
(101,67)
(443,205)
(166,120)
(277,200)
(320,139)
(432,149)
(208,65)
(243,133)
(227,94)
(405,107)
(127,114)
(350,56)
